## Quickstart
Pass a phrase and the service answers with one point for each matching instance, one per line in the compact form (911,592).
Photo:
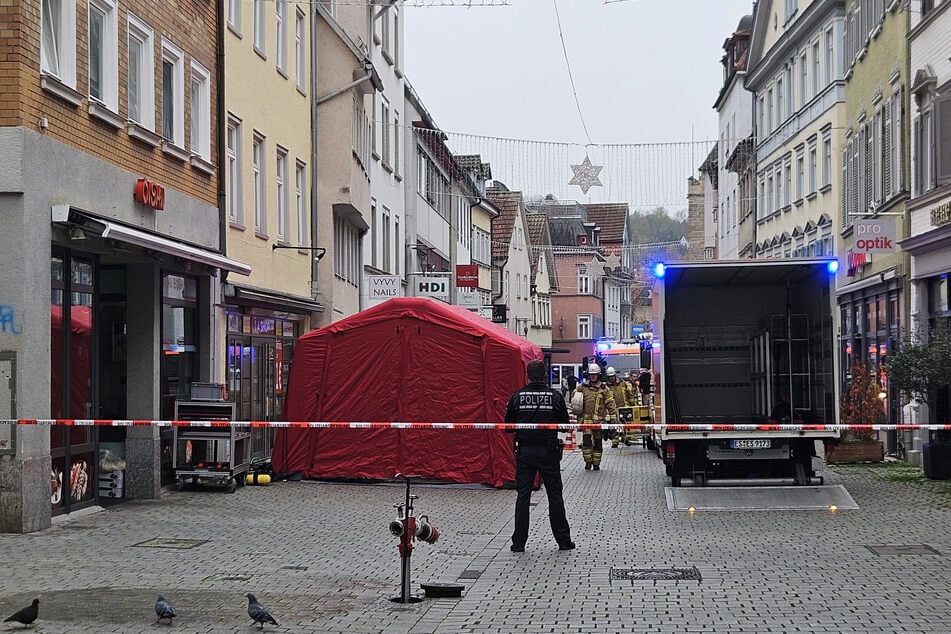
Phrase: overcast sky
(645,71)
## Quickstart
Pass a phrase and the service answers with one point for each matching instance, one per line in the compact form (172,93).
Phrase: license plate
(750,443)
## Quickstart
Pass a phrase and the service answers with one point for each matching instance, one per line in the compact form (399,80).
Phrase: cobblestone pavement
(320,557)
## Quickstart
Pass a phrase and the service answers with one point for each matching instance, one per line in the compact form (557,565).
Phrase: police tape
(709,427)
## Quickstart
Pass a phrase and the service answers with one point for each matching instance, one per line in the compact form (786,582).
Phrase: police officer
(624,396)
(537,451)
(597,407)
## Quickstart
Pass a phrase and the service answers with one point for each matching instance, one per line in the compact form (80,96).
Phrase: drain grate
(470,574)
(656,574)
(165,542)
(913,549)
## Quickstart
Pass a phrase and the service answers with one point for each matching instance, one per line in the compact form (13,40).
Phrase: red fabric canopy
(405,360)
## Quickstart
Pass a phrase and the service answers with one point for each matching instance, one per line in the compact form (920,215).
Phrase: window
(386,239)
(800,173)
(281,35)
(58,40)
(173,98)
(396,34)
(830,55)
(258,28)
(201,112)
(584,326)
(780,103)
(346,251)
(104,53)
(257,169)
(141,88)
(396,142)
(518,286)
(812,167)
(385,131)
(385,34)
(584,281)
(896,169)
(791,6)
(233,173)
(234,14)
(397,251)
(769,110)
(826,158)
(816,68)
(300,203)
(876,156)
(787,189)
(803,76)
(283,220)
(300,52)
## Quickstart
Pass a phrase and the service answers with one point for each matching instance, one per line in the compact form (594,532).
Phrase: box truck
(745,364)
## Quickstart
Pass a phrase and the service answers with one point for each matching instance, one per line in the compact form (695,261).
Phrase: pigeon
(27,615)
(258,612)
(164,609)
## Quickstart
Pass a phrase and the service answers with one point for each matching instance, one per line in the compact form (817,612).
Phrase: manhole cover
(470,574)
(656,574)
(914,549)
(165,542)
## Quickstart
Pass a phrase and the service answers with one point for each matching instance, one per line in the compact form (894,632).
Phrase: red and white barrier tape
(80,422)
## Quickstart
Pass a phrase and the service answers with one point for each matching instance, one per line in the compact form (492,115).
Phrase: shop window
(179,339)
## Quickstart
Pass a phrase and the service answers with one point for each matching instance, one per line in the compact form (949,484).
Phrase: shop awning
(65,214)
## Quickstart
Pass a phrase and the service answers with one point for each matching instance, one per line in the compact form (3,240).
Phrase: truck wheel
(800,476)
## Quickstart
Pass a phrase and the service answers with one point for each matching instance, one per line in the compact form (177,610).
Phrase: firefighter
(597,406)
(624,396)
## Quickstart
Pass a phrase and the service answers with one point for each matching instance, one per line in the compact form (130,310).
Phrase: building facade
(873,160)
(111,291)
(268,172)
(929,209)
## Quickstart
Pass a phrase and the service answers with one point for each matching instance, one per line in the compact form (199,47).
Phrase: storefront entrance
(259,360)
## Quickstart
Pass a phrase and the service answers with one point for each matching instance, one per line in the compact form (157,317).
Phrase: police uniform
(538,451)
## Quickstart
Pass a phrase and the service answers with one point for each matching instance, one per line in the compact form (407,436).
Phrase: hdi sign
(431,287)
(874,236)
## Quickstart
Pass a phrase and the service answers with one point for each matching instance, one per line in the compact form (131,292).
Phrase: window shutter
(942,128)
(886,154)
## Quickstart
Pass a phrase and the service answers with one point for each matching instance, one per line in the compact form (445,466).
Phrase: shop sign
(150,194)
(382,288)
(468,299)
(500,313)
(941,215)
(431,287)
(467,275)
(874,236)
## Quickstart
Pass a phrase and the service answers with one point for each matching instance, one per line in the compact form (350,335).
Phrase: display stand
(221,455)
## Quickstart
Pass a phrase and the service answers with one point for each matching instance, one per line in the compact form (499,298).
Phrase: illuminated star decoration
(586,175)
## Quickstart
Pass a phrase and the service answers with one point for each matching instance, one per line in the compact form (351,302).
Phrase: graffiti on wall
(8,320)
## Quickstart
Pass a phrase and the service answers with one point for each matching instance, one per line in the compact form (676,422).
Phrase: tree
(657,226)
(922,365)
(861,404)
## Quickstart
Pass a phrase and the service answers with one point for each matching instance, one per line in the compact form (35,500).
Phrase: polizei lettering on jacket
(535,399)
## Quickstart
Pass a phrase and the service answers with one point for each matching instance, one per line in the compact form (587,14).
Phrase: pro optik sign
(874,236)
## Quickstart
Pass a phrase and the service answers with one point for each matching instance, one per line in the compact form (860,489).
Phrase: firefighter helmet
(594,368)
(610,371)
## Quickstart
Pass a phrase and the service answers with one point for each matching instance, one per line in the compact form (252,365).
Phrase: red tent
(405,360)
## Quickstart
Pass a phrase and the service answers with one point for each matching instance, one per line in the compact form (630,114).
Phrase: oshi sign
(874,236)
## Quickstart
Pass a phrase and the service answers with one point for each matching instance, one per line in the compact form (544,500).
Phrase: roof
(611,218)
(507,203)
(473,163)
(540,239)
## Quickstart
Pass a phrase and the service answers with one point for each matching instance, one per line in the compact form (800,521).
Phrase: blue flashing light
(601,346)
(660,269)
(833,267)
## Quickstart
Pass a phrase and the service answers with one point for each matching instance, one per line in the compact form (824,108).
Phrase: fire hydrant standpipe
(406,543)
